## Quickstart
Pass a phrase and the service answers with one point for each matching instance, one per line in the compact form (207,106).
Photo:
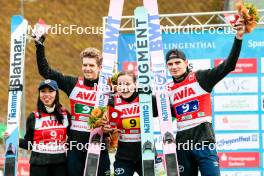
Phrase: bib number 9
(131,123)
(188,107)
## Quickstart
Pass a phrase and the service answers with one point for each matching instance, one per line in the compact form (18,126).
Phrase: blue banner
(238,100)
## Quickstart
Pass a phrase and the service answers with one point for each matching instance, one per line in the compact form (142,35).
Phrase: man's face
(177,67)
(90,68)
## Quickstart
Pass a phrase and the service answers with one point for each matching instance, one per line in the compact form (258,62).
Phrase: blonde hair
(92,53)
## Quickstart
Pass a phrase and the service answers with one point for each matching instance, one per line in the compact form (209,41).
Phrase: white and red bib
(82,101)
(129,120)
(191,103)
(49,134)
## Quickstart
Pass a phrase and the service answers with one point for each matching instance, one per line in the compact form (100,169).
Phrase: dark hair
(175,53)
(57,111)
(128,73)
(92,53)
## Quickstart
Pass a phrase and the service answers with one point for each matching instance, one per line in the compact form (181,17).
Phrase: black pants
(76,162)
(205,159)
(48,170)
(127,167)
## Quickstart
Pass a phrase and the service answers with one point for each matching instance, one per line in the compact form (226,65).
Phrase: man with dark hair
(82,93)
(191,103)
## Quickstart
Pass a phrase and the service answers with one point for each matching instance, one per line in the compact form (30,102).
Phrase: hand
(6,135)
(39,41)
(107,129)
(240,28)
(102,121)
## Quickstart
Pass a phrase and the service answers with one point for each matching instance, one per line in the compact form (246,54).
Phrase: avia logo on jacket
(186,92)
(86,96)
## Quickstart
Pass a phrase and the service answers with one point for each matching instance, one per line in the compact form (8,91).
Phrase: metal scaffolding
(187,20)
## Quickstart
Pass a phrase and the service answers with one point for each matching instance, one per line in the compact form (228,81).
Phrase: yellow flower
(96,112)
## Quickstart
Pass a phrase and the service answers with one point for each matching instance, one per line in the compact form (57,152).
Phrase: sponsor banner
(239,159)
(236,122)
(130,66)
(236,103)
(200,64)
(234,141)
(237,85)
(196,46)
(248,65)
(240,173)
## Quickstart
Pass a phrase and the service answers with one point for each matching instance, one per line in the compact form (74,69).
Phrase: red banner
(130,66)
(239,159)
(248,65)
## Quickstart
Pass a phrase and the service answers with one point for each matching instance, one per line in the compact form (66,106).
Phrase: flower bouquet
(249,13)
(96,114)
(112,82)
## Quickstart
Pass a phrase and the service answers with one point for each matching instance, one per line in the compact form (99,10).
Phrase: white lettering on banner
(189,45)
(199,64)
(236,103)
(240,173)
(237,85)
(262,65)
(255,44)
(182,45)
(236,122)
(239,159)
(236,141)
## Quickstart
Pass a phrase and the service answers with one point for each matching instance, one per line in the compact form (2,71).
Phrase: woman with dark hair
(124,106)
(46,131)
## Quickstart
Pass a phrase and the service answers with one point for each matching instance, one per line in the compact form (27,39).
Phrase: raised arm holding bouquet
(248,12)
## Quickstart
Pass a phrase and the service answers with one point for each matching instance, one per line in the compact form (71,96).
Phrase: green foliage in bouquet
(252,11)
(96,114)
